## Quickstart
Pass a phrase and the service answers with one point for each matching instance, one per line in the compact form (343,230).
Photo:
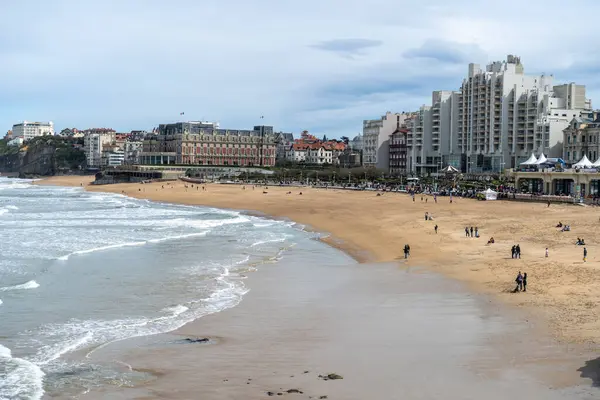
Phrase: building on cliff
(28,130)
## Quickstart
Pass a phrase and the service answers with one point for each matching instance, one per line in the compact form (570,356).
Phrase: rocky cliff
(43,156)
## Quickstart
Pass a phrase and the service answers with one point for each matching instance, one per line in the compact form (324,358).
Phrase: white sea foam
(178,237)
(131,244)
(101,248)
(267,241)
(11,207)
(23,286)
(0,301)
(23,379)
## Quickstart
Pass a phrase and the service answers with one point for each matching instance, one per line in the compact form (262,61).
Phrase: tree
(345,139)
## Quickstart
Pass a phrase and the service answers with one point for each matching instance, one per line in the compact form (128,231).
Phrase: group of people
(563,228)
(516,251)
(521,282)
(469,232)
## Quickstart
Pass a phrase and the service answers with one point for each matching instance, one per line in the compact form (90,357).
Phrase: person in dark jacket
(519,282)
(524,283)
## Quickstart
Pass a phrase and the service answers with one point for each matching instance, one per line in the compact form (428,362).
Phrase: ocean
(79,270)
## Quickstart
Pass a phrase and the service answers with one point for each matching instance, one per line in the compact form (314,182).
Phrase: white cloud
(137,63)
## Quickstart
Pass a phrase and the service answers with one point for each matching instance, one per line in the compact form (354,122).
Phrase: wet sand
(562,288)
(390,334)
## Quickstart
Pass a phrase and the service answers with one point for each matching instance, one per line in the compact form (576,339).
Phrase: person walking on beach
(546,252)
(584,254)
(513,251)
(471,231)
(435,227)
(524,282)
(518,251)
(466,232)
(519,282)
(476,232)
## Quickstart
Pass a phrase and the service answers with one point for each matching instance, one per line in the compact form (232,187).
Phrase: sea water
(79,270)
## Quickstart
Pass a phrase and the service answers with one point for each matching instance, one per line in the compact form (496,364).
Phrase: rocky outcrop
(44,156)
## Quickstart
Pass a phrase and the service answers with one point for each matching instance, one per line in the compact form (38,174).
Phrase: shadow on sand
(591,370)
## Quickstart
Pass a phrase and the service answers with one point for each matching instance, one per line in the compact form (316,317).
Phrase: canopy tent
(541,160)
(490,194)
(583,163)
(531,161)
(597,163)
(450,170)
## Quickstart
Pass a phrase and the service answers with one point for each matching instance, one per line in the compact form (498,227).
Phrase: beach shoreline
(562,289)
(518,341)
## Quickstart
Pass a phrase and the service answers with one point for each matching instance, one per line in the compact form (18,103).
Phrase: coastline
(563,290)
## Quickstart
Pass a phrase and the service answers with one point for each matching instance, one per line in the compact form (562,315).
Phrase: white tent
(531,161)
(597,163)
(450,170)
(583,163)
(542,159)
(490,194)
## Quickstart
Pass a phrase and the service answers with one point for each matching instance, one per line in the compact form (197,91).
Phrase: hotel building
(28,130)
(505,115)
(203,143)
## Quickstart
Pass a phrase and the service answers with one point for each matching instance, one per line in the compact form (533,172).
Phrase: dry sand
(562,288)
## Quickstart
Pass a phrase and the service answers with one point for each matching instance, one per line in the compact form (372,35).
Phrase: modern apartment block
(495,121)
(94,143)
(202,143)
(376,133)
(505,115)
(28,130)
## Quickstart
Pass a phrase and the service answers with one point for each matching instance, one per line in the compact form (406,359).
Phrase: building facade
(94,142)
(398,144)
(202,143)
(28,130)
(284,143)
(505,115)
(376,133)
(582,137)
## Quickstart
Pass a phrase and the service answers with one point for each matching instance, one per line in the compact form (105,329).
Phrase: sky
(317,65)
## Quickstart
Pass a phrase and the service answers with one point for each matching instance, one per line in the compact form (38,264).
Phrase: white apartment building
(94,141)
(113,158)
(28,130)
(505,115)
(319,155)
(376,133)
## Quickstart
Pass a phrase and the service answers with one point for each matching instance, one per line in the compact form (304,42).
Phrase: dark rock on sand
(331,377)
(270,394)
(196,340)
(322,397)
(295,391)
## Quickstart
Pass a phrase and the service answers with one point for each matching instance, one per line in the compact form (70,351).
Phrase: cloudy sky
(321,65)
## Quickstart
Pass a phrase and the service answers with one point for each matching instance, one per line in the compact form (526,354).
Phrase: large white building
(505,115)
(498,118)
(28,130)
(376,134)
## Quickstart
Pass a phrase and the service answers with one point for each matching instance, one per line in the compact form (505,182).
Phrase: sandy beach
(562,289)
